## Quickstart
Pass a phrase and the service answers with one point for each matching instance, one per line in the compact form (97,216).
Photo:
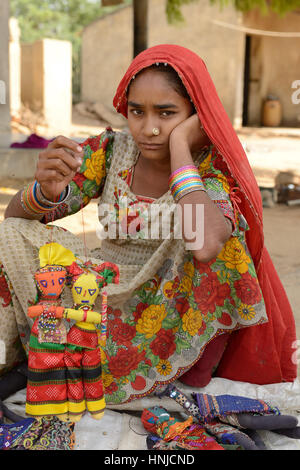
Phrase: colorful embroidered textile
(84,378)
(275,340)
(216,406)
(168,305)
(46,434)
(179,435)
(9,433)
(227,432)
(47,378)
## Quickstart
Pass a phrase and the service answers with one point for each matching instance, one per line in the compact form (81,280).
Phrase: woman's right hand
(57,166)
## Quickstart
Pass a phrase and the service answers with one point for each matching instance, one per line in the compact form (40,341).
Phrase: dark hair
(172,77)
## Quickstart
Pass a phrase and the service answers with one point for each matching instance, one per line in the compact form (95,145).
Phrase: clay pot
(272,112)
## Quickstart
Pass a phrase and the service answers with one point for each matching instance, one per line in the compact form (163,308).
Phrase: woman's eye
(136,112)
(167,113)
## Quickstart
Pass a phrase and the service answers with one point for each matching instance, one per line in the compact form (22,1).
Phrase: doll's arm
(81,315)
(35,311)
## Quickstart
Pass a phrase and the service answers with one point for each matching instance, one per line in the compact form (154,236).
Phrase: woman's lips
(150,146)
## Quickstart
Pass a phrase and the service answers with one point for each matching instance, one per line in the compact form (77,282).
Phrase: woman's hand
(189,132)
(57,166)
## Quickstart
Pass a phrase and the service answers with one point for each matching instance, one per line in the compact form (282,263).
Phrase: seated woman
(203,300)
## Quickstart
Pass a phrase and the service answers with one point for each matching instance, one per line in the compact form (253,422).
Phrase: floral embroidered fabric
(168,305)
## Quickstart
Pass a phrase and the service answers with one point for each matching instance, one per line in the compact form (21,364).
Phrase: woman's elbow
(208,253)
(210,250)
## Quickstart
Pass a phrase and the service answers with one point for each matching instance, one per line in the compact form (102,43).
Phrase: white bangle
(62,198)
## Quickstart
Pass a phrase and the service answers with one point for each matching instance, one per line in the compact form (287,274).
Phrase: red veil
(259,354)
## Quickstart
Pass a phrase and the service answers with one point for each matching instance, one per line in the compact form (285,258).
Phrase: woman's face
(154,103)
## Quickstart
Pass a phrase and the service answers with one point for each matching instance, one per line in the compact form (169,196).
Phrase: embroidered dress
(168,305)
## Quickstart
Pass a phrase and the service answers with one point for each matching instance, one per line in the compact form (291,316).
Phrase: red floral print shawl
(259,354)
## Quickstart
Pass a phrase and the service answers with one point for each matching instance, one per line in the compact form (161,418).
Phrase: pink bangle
(181,169)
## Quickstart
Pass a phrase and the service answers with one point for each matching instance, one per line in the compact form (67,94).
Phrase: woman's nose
(149,124)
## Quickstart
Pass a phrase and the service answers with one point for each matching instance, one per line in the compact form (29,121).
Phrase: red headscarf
(259,354)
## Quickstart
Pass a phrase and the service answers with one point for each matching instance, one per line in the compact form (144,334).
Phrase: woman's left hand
(191,132)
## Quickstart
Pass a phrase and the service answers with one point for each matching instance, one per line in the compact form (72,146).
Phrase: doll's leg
(93,384)
(75,389)
(46,386)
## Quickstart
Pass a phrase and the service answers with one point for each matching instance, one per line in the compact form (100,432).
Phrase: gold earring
(155,131)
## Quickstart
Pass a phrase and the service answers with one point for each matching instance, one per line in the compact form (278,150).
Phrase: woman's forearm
(15,209)
(203,224)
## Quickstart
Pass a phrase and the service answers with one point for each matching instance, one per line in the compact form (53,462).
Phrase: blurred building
(245,66)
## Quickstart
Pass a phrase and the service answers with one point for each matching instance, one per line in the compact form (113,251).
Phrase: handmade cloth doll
(174,434)
(82,356)
(46,386)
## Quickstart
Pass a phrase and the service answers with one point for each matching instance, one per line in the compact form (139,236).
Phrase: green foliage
(174,14)
(173,10)
(58,19)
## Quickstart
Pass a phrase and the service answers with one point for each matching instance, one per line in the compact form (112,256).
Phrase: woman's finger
(46,176)
(70,160)
(62,141)
(58,165)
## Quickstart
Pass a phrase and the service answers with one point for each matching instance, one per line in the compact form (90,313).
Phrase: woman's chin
(154,154)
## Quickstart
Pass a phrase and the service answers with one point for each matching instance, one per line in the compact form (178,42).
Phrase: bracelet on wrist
(34,203)
(185,180)
(62,197)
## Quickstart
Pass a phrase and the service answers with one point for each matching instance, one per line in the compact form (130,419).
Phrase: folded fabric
(33,141)
(218,406)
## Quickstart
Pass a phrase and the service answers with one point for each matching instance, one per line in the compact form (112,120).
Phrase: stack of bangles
(34,202)
(185,180)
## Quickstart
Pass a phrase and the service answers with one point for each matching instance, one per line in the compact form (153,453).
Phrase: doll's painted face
(85,289)
(50,282)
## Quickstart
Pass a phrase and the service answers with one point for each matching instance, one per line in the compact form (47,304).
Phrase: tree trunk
(140,28)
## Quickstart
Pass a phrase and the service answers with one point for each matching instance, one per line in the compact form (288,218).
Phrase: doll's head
(87,280)
(153,416)
(85,289)
(50,281)
(51,277)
